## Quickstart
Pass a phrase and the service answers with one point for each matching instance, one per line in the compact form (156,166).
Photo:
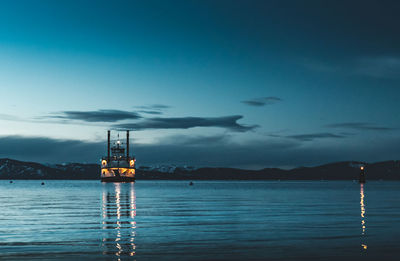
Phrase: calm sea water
(211,220)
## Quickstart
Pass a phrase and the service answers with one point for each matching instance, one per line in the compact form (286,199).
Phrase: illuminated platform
(117,166)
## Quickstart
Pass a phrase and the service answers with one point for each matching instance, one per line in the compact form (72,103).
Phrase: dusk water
(211,220)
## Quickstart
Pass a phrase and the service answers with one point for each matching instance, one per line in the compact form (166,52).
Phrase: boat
(118,165)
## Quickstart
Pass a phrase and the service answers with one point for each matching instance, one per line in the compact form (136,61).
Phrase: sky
(247,84)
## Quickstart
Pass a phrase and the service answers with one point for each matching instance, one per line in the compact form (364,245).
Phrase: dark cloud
(49,150)
(216,150)
(258,102)
(202,151)
(197,140)
(313,136)
(150,112)
(227,122)
(154,107)
(98,116)
(160,106)
(359,126)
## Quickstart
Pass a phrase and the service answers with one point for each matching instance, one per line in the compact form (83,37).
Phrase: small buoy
(42,183)
(191,183)
(11,181)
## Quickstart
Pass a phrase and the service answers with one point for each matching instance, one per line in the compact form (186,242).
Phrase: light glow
(363,223)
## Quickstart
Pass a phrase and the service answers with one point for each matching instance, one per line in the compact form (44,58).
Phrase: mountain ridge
(345,170)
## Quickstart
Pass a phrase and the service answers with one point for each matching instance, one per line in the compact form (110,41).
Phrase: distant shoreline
(349,170)
(194,179)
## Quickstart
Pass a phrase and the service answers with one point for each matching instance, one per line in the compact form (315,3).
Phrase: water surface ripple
(211,220)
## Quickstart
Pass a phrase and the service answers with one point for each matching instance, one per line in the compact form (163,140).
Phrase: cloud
(154,107)
(198,140)
(218,150)
(98,116)
(313,136)
(379,67)
(115,116)
(150,112)
(8,117)
(214,151)
(48,150)
(382,67)
(258,102)
(359,126)
(227,122)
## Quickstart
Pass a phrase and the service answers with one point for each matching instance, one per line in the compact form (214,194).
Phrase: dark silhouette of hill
(387,170)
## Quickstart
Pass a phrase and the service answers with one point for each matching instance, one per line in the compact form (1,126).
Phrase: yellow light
(104,163)
(131,163)
(362,167)
(364,246)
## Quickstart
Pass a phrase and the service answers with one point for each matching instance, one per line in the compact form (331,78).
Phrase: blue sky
(241,83)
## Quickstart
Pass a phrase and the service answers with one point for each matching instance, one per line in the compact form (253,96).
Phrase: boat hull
(118,179)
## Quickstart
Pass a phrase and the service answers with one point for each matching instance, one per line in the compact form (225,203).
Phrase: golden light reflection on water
(118,219)
(363,224)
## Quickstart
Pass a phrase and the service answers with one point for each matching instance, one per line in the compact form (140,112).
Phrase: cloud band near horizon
(199,151)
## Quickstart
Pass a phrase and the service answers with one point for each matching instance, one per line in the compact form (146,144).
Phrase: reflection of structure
(363,225)
(118,219)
